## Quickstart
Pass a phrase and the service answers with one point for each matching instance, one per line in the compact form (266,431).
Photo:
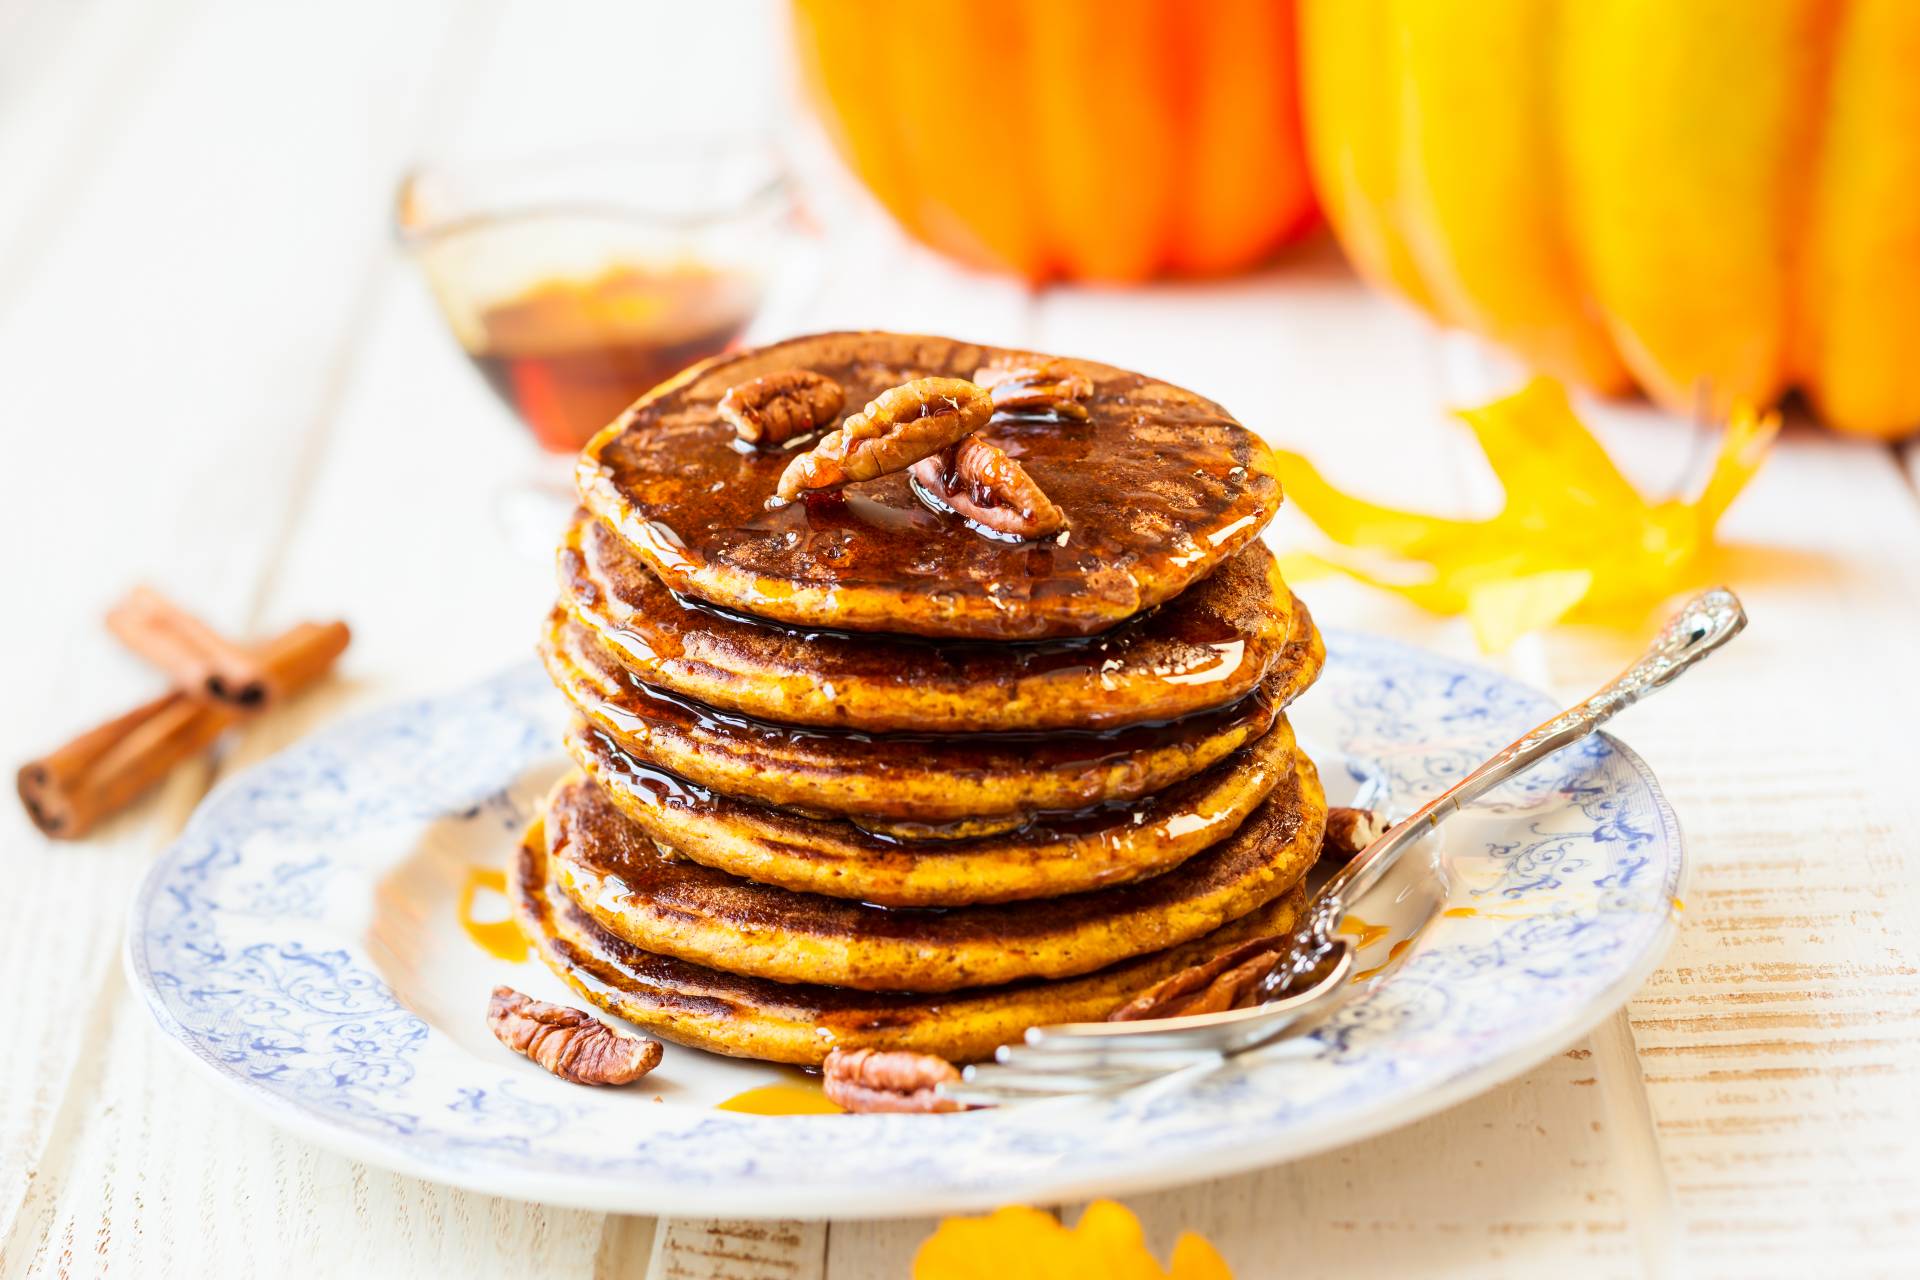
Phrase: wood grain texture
(120,475)
(717,1249)
(1780,1044)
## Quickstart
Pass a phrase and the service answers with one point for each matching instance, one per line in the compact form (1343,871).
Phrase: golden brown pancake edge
(932,779)
(1209,645)
(1046,856)
(800,1023)
(610,868)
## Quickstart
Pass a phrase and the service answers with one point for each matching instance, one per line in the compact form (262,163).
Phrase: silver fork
(1315,977)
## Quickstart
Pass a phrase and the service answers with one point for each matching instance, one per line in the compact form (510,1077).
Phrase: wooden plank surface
(229,165)
(1780,1045)
(144,381)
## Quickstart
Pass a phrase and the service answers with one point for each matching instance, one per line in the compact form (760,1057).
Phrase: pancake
(1045,856)
(799,1023)
(670,906)
(918,779)
(1159,486)
(1213,643)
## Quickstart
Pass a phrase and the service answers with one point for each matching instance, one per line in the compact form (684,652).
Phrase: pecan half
(868,1080)
(780,406)
(1227,981)
(981,481)
(1349,831)
(898,427)
(572,1044)
(1048,386)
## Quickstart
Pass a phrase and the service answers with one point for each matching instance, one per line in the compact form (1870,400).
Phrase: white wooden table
(218,376)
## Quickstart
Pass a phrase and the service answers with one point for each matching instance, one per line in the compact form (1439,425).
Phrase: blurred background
(302,308)
(250,242)
(263,234)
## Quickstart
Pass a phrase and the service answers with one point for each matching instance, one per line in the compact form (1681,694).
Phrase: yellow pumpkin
(1086,139)
(1716,199)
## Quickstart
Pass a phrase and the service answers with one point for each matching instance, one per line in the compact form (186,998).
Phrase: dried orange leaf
(1504,609)
(1749,436)
(1574,541)
(1544,456)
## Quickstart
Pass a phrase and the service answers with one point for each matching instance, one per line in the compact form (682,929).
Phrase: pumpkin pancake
(1046,856)
(1158,485)
(1213,643)
(606,864)
(799,1023)
(917,779)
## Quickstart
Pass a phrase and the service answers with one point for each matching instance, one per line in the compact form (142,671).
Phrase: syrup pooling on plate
(782,1099)
(500,938)
(1158,487)
(1363,933)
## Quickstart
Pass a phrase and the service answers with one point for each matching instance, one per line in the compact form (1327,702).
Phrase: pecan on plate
(979,480)
(571,1044)
(1228,981)
(867,1080)
(898,427)
(1044,386)
(774,409)
(1349,831)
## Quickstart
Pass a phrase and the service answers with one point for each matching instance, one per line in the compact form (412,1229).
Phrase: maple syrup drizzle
(1475,913)
(633,704)
(1394,952)
(1206,641)
(1197,487)
(1363,933)
(662,789)
(803,1097)
(500,938)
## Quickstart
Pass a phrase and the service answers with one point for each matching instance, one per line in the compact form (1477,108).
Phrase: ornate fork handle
(1314,976)
(1706,622)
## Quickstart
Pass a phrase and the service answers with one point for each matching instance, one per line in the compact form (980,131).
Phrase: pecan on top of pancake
(1035,384)
(777,407)
(977,479)
(1157,486)
(898,427)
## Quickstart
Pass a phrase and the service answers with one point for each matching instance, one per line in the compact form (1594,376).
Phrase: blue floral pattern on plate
(253,942)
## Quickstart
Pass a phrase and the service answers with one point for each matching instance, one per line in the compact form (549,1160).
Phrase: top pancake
(1158,486)
(1215,642)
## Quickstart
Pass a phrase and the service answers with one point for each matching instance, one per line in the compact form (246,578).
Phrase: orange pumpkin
(1085,139)
(1718,200)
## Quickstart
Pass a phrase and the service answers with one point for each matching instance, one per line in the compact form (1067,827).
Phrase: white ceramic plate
(303,942)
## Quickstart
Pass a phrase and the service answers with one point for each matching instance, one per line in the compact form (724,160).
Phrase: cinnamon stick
(198,658)
(69,791)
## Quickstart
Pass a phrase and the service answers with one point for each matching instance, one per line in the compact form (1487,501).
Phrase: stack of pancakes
(854,773)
